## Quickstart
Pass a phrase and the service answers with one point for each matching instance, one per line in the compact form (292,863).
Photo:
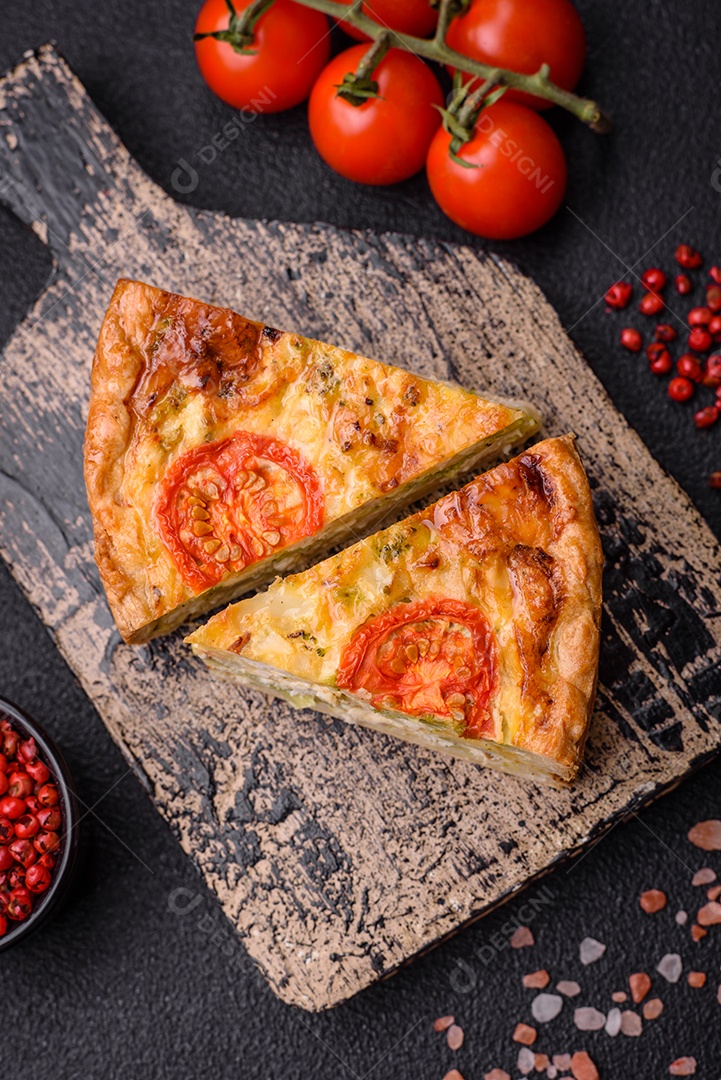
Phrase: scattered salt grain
(551,1072)
(631,1023)
(526,1060)
(443,1023)
(521,938)
(698,932)
(718,995)
(619,996)
(545,1007)
(640,985)
(706,835)
(453,1075)
(681,918)
(714,892)
(536,980)
(704,877)
(710,914)
(497,1074)
(652,1009)
(591,950)
(562,1062)
(525,1034)
(670,966)
(540,1062)
(697,979)
(589,1019)
(455,1037)
(582,1067)
(613,1022)
(685,1066)
(652,900)
(568,988)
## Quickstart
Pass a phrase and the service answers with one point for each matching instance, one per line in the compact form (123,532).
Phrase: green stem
(373,57)
(436,49)
(359,85)
(240,27)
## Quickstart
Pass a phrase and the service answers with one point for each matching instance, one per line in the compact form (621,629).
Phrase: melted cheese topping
(173,374)
(520,543)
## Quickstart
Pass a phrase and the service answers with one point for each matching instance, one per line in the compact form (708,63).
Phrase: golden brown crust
(171,375)
(520,543)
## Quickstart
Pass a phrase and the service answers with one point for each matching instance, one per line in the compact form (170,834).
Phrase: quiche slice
(220,452)
(471,627)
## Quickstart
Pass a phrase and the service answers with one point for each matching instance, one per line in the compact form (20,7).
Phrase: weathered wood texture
(337,854)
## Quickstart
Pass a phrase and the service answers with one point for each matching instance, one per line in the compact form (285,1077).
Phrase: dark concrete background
(119,985)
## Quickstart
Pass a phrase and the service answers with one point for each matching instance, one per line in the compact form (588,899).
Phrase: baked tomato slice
(428,657)
(228,504)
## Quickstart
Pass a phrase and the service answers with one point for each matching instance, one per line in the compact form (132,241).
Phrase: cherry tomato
(415,17)
(521,35)
(385,139)
(520,179)
(290,47)
(433,657)
(227,504)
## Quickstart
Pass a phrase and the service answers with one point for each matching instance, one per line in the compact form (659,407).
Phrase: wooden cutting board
(338,854)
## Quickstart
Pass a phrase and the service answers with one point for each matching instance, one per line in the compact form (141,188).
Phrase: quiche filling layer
(220,450)
(472,626)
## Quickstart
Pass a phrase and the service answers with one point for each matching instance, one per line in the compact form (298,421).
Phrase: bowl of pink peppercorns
(38,825)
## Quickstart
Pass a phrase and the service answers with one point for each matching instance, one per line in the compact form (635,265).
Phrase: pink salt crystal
(551,1072)
(704,877)
(526,1060)
(536,980)
(652,1009)
(524,1033)
(453,1075)
(591,950)
(568,988)
(613,1022)
(562,1061)
(685,1066)
(670,966)
(521,938)
(443,1023)
(640,985)
(631,1023)
(714,892)
(540,1062)
(545,1007)
(681,918)
(589,1019)
(706,835)
(455,1037)
(497,1074)
(582,1067)
(710,914)
(619,996)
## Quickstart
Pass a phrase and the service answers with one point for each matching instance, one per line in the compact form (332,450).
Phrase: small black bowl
(64,869)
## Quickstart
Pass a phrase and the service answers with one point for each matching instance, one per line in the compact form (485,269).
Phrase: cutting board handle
(61,165)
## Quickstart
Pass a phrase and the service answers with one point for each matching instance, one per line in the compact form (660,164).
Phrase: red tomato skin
(520,35)
(415,17)
(502,199)
(235,450)
(292,47)
(386,139)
